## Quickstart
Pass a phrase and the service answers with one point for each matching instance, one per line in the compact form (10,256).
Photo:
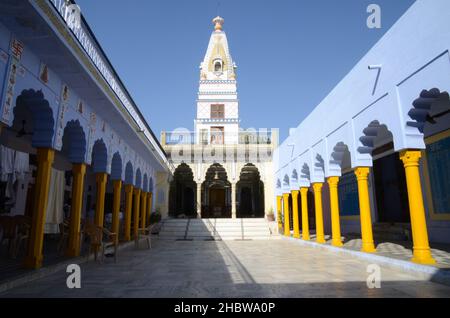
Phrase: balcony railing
(217,138)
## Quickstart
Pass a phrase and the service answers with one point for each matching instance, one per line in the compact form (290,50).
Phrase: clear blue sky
(289,53)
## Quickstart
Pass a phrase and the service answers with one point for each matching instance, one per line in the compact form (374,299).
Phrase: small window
(217,111)
(218,67)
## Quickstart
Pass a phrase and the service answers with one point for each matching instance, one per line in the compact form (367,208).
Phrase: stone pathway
(272,268)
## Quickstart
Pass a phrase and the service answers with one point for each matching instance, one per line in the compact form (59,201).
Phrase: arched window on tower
(217,66)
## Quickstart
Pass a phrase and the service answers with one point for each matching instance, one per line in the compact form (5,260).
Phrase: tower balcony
(261,137)
(186,146)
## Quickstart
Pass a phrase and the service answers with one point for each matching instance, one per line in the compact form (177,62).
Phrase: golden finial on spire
(218,22)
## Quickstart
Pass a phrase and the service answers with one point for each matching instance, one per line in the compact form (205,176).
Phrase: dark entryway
(390,190)
(216,193)
(182,194)
(250,193)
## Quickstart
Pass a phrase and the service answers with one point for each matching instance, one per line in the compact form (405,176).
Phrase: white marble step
(216,229)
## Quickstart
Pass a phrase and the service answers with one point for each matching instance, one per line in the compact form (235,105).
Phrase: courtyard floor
(237,269)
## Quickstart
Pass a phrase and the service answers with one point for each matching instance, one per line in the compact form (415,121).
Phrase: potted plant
(270,216)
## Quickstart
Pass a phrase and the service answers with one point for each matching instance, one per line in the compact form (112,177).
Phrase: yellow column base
(117,186)
(305,221)
(287,226)
(101,179)
(73,248)
(320,237)
(423,256)
(368,245)
(279,203)
(334,207)
(421,247)
(45,158)
(128,212)
(295,213)
(137,208)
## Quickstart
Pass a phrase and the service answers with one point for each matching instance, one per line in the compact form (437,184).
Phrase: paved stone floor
(401,250)
(273,268)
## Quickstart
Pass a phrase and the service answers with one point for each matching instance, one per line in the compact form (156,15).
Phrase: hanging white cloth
(10,192)
(55,212)
(6,162)
(21,165)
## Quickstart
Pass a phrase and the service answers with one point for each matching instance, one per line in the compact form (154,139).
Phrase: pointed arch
(99,156)
(428,107)
(129,173)
(145,183)
(33,112)
(116,167)
(138,180)
(74,142)
(250,193)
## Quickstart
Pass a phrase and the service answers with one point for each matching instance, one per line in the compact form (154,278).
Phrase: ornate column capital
(362,173)
(317,186)
(333,181)
(410,157)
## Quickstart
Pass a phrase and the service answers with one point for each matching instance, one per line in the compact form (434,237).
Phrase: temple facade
(220,169)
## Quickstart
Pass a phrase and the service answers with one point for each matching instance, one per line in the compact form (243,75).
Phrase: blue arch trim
(138,183)
(42,114)
(74,142)
(145,183)
(129,173)
(116,167)
(99,156)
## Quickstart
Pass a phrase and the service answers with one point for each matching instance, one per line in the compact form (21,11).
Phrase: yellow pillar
(45,157)
(128,212)
(334,205)
(137,199)
(100,178)
(421,248)
(305,221)
(117,185)
(143,209)
(149,206)
(317,187)
(280,224)
(78,172)
(295,213)
(287,227)
(362,174)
